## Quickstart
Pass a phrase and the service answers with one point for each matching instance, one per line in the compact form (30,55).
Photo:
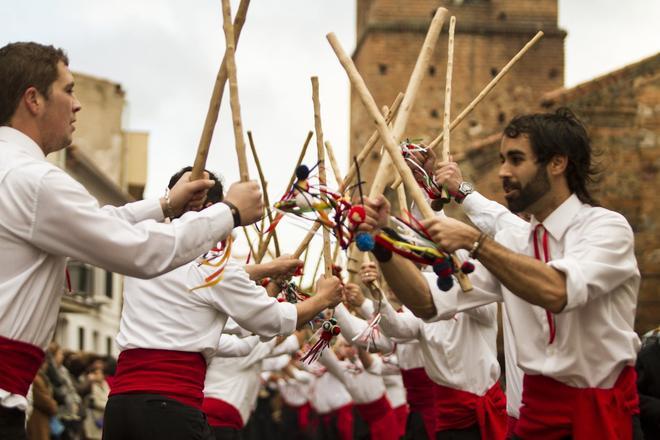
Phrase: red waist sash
(401,413)
(220,413)
(421,396)
(458,409)
(19,363)
(552,410)
(380,418)
(178,375)
(344,419)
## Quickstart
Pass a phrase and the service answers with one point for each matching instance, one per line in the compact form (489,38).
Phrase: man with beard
(569,283)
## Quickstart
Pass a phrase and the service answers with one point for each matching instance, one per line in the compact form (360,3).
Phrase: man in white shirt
(47,216)
(569,283)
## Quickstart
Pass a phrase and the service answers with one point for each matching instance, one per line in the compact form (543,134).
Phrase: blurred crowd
(68,395)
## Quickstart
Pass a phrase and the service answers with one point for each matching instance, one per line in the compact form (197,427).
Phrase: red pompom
(336,330)
(467,267)
(357,214)
(445,273)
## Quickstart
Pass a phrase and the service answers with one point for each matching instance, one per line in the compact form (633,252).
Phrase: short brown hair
(24,65)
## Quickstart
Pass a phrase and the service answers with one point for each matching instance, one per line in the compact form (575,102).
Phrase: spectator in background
(648,384)
(96,400)
(44,406)
(66,395)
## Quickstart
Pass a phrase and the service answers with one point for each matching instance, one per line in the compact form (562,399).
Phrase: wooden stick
(390,141)
(262,250)
(447,120)
(352,172)
(421,66)
(450,67)
(489,87)
(264,186)
(327,255)
(333,163)
(233,91)
(216,99)
(480,97)
(403,202)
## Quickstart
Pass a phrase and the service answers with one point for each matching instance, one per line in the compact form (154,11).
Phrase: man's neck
(549,203)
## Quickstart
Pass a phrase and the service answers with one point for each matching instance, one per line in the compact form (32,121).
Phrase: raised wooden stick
(247,238)
(233,91)
(327,255)
(447,120)
(263,247)
(216,99)
(333,163)
(486,90)
(352,172)
(264,187)
(489,87)
(403,202)
(383,175)
(390,142)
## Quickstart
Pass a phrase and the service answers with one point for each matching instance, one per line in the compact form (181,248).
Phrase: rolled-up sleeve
(248,304)
(597,259)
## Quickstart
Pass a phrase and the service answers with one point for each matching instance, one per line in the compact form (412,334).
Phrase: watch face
(466,188)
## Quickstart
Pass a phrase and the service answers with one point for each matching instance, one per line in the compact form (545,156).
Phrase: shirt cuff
(222,222)
(446,303)
(473,203)
(576,285)
(367,309)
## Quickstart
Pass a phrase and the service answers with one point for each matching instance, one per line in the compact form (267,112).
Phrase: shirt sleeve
(380,368)
(233,346)
(598,257)
(485,290)
(402,326)
(366,309)
(138,211)
(352,326)
(289,346)
(69,222)
(248,304)
(489,216)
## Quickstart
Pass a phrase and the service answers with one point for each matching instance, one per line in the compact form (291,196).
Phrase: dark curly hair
(560,134)
(25,65)
(215,194)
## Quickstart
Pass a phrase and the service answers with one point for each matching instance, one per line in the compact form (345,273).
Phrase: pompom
(365,242)
(357,215)
(445,284)
(467,267)
(333,321)
(327,326)
(336,330)
(302,172)
(442,267)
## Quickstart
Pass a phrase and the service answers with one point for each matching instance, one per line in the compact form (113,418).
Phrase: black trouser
(415,427)
(470,433)
(152,416)
(226,433)
(12,424)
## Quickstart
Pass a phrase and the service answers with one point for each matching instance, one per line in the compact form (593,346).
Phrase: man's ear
(557,165)
(33,100)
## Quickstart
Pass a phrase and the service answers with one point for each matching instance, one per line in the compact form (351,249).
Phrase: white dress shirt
(460,353)
(595,337)
(235,346)
(328,393)
(491,217)
(163,314)
(352,327)
(363,386)
(47,216)
(295,391)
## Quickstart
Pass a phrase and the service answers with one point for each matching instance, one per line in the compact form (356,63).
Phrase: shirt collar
(21,142)
(560,219)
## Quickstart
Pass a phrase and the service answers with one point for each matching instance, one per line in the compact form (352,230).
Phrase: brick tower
(488,34)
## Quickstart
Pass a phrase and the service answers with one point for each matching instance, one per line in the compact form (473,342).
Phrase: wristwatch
(234,213)
(465,189)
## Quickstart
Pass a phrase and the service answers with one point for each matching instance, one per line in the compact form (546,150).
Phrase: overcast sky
(165,54)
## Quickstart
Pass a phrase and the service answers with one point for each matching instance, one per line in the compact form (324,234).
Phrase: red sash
(19,363)
(510,426)
(304,412)
(178,375)
(421,396)
(380,418)
(552,410)
(220,413)
(401,413)
(459,409)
